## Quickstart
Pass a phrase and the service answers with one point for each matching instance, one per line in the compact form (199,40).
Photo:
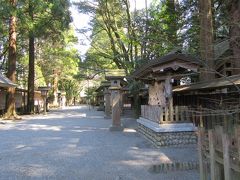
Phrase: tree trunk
(12,56)
(55,87)
(172,7)
(206,40)
(31,71)
(234,12)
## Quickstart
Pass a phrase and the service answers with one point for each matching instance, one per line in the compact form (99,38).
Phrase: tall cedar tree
(31,73)
(11,73)
(206,39)
(51,25)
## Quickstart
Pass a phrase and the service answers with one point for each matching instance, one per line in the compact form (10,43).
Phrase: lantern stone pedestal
(116,78)
(116,109)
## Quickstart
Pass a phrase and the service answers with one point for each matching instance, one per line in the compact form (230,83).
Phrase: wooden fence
(219,153)
(19,98)
(178,114)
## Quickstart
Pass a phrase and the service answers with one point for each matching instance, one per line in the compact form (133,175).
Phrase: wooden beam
(175,65)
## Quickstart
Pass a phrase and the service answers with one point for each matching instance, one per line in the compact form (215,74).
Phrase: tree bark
(172,7)
(234,12)
(12,56)
(31,70)
(55,87)
(206,40)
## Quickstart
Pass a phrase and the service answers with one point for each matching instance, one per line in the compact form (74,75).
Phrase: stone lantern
(116,77)
(44,90)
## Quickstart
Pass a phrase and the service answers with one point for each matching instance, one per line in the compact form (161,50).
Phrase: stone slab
(176,127)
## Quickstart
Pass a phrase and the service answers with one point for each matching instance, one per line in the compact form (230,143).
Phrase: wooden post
(226,155)
(181,113)
(171,109)
(176,114)
(161,115)
(187,114)
(193,117)
(202,169)
(201,117)
(237,135)
(212,155)
(166,114)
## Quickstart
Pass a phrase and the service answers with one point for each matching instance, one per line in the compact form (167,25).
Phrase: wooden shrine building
(215,107)
(20,96)
(162,121)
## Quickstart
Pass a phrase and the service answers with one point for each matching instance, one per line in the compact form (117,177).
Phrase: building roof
(115,74)
(102,85)
(5,82)
(213,84)
(220,48)
(148,68)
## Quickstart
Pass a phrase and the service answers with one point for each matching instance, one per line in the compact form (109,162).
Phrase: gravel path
(75,143)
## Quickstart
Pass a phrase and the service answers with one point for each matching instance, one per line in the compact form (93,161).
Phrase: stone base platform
(116,128)
(167,134)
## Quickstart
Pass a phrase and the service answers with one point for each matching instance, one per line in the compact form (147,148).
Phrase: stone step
(174,166)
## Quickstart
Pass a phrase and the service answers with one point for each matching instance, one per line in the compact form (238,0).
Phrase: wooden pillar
(212,155)
(171,109)
(176,114)
(202,167)
(161,115)
(169,105)
(107,98)
(182,113)
(237,135)
(187,114)
(226,155)
(166,114)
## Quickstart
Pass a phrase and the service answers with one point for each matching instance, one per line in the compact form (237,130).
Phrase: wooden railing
(219,153)
(178,114)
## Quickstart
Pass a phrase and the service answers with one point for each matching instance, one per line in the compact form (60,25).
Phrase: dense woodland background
(37,39)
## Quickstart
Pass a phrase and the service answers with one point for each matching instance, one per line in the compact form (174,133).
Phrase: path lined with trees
(75,143)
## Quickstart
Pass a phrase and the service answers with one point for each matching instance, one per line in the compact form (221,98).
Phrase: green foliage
(71,87)
(91,95)
(111,28)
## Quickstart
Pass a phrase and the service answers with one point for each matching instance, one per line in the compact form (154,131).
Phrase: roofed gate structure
(161,121)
